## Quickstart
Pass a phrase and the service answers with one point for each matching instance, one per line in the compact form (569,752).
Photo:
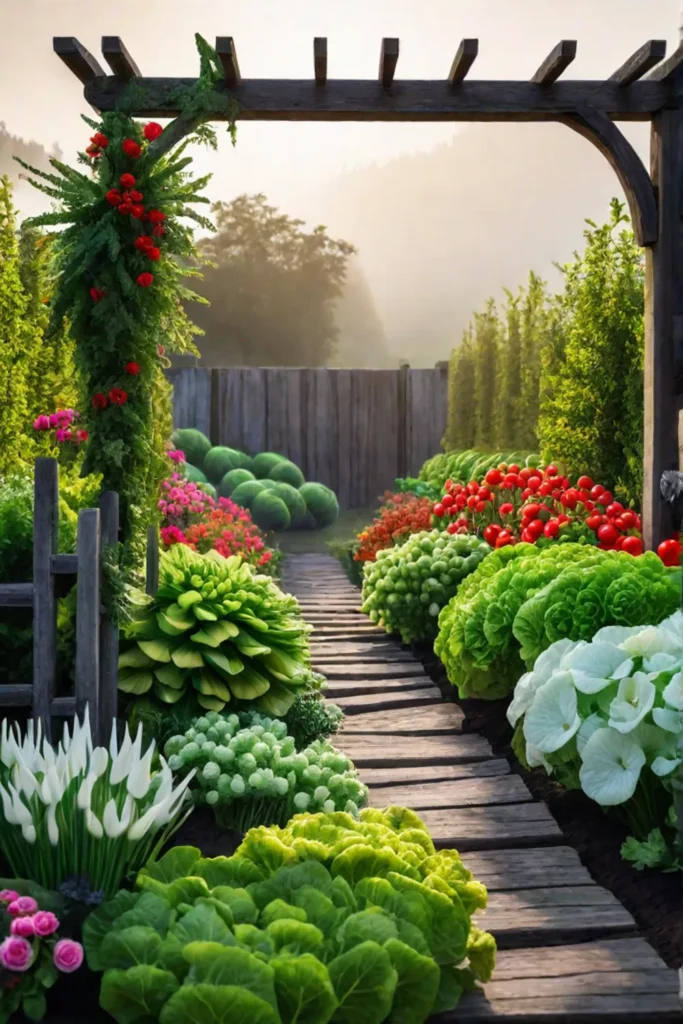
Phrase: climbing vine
(120,265)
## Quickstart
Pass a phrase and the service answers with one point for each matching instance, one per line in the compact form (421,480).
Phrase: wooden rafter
(640,62)
(464,59)
(118,58)
(78,60)
(555,63)
(388,58)
(320,60)
(227,54)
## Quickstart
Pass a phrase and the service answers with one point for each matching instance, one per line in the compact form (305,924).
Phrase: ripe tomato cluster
(540,505)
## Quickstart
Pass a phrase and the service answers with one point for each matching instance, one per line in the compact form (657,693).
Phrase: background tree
(461,423)
(272,288)
(487,337)
(533,337)
(509,380)
(592,414)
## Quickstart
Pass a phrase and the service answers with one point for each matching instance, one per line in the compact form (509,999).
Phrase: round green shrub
(195,445)
(321,502)
(191,472)
(208,489)
(287,473)
(268,485)
(221,460)
(245,493)
(294,502)
(232,480)
(264,462)
(270,512)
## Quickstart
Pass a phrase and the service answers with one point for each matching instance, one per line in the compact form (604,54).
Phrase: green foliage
(329,919)
(472,464)
(264,462)
(591,417)
(195,445)
(220,460)
(312,718)
(487,343)
(321,502)
(286,472)
(293,500)
(245,493)
(345,552)
(251,772)
(193,473)
(232,480)
(272,287)
(406,587)
(523,598)
(461,422)
(122,322)
(218,632)
(270,512)
(536,335)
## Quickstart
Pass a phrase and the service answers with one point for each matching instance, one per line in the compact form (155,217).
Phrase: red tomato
(530,511)
(472,502)
(563,518)
(606,498)
(526,493)
(480,506)
(484,494)
(556,493)
(569,499)
(526,473)
(545,489)
(491,533)
(670,552)
(449,484)
(596,491)
(535,528)
(461,500)
(632,545)
(493,477)
(589,505)
(608,534)
(473,487)
(527,538)
(585,483)
(452,528)
(514,468)
(585,495)
(628,518)
(504,538)
(619,523)
(551,528)
(462,523)
(506,508)
(438,510)
(533,483)
(447,500)
(613,509)
(551,470)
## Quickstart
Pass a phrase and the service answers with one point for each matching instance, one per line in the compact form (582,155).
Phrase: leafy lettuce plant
(512,608)
(84,810)
(217,632)
(255,775)
(607,716)
(406,587)
(277,935)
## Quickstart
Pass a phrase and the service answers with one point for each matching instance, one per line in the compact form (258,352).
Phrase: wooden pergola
(646,87)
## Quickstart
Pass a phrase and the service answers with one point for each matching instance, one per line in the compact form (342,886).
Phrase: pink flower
(22,905)
(44,923)
(23,926)
(16,954)
(8,896)
(54,420)
(41,423)
(175,455)
(67,955)
(62,434)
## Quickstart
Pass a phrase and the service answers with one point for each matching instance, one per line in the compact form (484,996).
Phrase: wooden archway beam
(599,129)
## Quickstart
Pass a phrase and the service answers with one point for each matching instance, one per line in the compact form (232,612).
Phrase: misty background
(442,215)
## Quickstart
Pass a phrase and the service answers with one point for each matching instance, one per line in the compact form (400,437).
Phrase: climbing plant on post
(119,266)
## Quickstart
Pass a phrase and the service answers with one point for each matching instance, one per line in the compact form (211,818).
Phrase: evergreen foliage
(461,423)
(533,328)
(487,340)
(506,411)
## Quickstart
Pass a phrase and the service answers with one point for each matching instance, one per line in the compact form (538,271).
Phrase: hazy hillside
(26,198)
(362,340)
(439,232)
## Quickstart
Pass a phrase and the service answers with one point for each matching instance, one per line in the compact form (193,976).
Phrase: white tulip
(7,808)
(99,761)
(113,825)
(20,809)
(85,792)
(140,827)
(113,741)
(52,827)
(139,778)
(93,824)
(122,762)
(29,833)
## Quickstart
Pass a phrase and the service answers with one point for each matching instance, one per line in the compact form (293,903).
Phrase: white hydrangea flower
(669,720)
(586,730)
(650,641)
(611,767)
(673,692)
(553,718)
(531,682)
(593,667)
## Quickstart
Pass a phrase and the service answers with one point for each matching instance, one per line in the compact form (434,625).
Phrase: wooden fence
(354,430)
(96,664)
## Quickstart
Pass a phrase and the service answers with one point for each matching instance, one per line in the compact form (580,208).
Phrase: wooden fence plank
(109,632)
(152,561)
(426,411)
(321,462)
(348,458)
(243,409)
(88,615)
(45,534)
(191,397)
(16,695)
(285,424)
(16,595)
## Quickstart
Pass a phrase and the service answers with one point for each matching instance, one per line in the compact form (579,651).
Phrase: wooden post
(88,615)
(152,568)
(663,323)
(45,537)
(109,633)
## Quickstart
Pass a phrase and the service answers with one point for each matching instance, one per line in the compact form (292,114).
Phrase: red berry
(124,208)
(113,197)
(127,181)
(143,243)
(136,197)
(131,148)
(101,140)
(133,369)
(156,216)
(152,131)
(153,253)
(145,280)
(632,545)
(137,211)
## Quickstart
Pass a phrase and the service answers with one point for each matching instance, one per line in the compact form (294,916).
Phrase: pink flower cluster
(175,455)
(61,422)
(29,922)
(183,501)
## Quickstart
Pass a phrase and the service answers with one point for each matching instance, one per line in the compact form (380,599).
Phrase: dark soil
(653,898)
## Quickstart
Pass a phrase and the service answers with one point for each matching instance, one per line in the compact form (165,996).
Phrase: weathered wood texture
(109,632)
(343,427)
(87,671)
(45,538)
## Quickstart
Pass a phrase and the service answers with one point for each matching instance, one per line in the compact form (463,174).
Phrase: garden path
(568,950)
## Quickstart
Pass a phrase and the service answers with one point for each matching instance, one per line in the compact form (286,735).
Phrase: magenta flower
(23,926)
(54,420)
(44,923)
(8,896)
(16,954)
(41,423)
(67,955)
(62,434)
(175,455)
(22,905)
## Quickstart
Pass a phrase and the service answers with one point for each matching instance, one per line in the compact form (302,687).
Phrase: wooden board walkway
(568,950)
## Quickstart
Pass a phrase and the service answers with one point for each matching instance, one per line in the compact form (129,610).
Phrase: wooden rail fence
(95,677)
(354,430)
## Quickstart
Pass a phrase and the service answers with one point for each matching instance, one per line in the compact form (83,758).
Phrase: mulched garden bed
(654,899)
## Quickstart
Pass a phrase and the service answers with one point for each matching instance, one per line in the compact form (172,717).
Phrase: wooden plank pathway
(568,950)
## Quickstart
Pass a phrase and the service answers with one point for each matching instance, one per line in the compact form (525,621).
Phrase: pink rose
(8,896)
(16,954)
(44,923)
(41,423)
(23,926)
(67,955)
(22,905)
(54,420)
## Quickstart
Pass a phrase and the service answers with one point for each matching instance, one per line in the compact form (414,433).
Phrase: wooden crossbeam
(388,58)
(78,60)
(227,54)
(320,60)
(118,58)
(640,62)
(555,63)
(670,68)
(463,60)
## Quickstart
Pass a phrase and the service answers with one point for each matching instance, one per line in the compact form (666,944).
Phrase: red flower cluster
(401,515)
(118,397)
(97,293)
(539,504)
(98,142)
(133,369)
(228,529)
